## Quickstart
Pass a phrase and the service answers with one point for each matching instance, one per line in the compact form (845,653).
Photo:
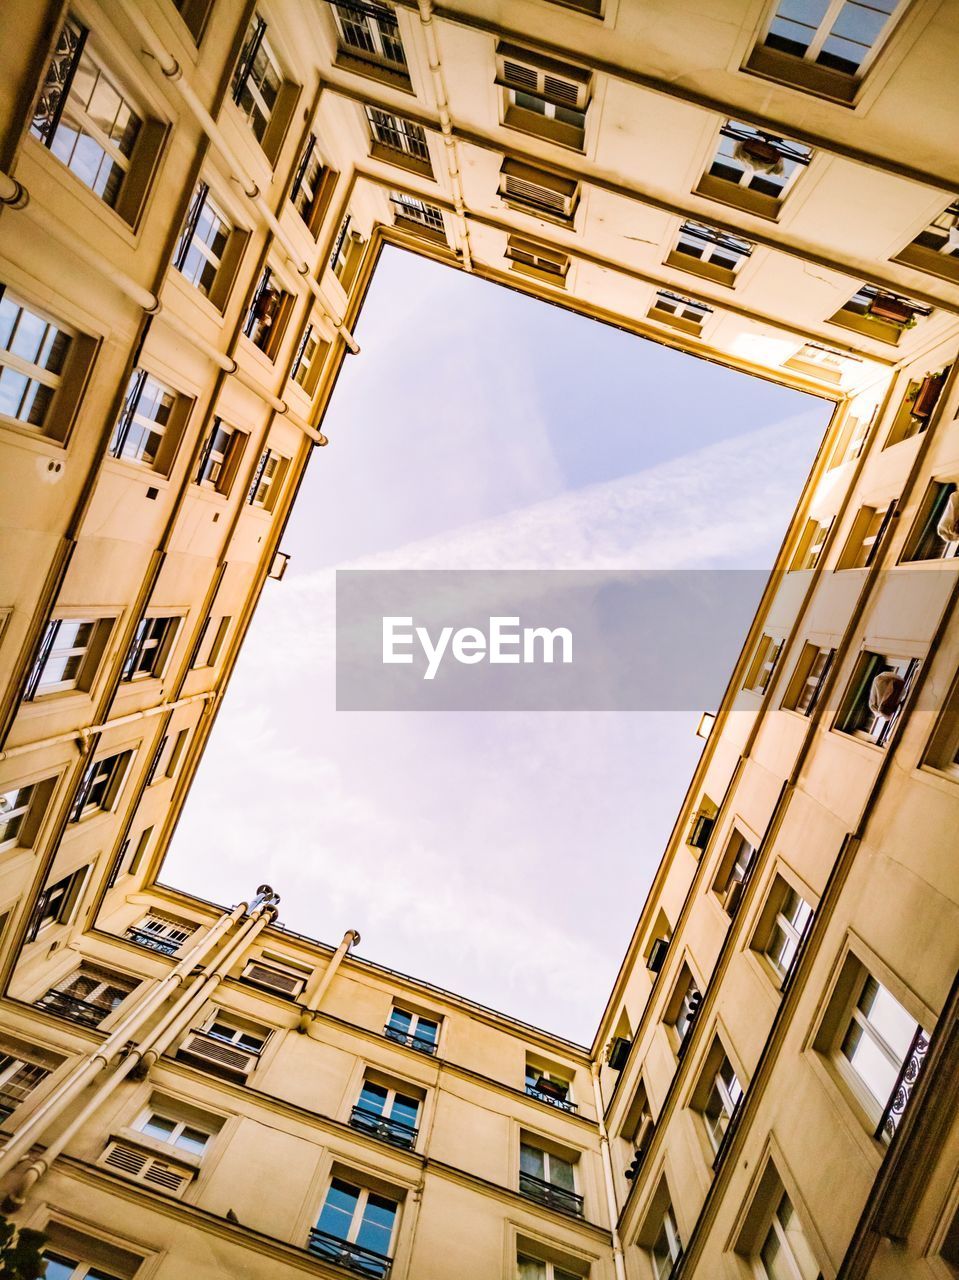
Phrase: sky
(502,855)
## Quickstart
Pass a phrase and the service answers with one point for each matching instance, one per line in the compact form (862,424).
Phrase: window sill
(805,77)
(728,193)
(534,125)
(70,186)
(32,438)
(347,60)
(164,1149)
(702,270)
(390,155)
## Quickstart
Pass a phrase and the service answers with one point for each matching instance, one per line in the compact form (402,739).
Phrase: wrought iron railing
(154,941)
(352,1257)
(554,1100)
(550,1194)
(905,1082)
(419,1043)
(385,1127)
(65,1005)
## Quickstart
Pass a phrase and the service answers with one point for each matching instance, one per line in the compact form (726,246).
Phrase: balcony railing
(419,1043)
(554,1100)
(65,1005)
(380,1126)
(552,1196)
(908,1075)
(352,1257)
(154,941)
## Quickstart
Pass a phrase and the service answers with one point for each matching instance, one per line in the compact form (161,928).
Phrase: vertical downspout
(619,1262)
(308,1009)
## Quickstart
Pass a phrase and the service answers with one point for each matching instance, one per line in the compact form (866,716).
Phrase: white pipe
(13,193)
(173,72)
(619,1263)
(88,731)
(446,127)
(39,1120)
(350,939)
(65,233)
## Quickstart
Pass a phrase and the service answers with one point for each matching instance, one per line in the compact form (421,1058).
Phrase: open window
(942,753)
(347,253)
(151,647)
(268,313)
(772,1240)
(717,1096)
(734,870)
(43,368)
(69,657)
(539,261)
(761,669)
(935,531)
(709,252)
(220,457)
(824,363)
(659,1234)
(876,695)
(268,480)
(880,314)
(782,927)
(209,247)
(22,810)
(865,537)
(100,786)
(549,1083)
(679,311)
(811,545)
(808,678)
(682,1011)
(72,1254)
(916,407)
(370,43)
(312,187)
(309,359)
(752,168)
(264,96)
(936,248)
(151,423)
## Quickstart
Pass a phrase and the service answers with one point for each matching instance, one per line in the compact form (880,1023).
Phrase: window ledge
(347,60)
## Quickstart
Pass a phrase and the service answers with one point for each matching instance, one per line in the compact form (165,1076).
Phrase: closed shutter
(538,187)
(557,82)
(287,984)
(139,1165)
(219,1053)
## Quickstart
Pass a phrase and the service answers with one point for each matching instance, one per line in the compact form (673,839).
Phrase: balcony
(908,1075)
(549,1194)
(384,1127)
(154,941)
(419,1043)
(351,1257)
(64,1005)
(544,1091)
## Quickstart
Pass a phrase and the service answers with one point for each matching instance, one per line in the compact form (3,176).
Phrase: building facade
(194,198)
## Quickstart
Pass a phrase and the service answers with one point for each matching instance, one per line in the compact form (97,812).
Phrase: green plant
(21,1256)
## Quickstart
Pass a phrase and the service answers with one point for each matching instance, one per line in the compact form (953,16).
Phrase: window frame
(218,466)
(59,381)
(855,700)
(747,190)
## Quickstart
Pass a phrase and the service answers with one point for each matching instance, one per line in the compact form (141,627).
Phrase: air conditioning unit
(657,955)
(281,982)
(218,1055)
(617,1052)
(133,1162)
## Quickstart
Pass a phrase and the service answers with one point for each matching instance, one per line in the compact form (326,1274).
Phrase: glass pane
(58,1267)
(406,1110)
(373,1098)
(531,1161)
(336,1216)
(159,1127)
(194,1140)
(376,1229)
(531,1269)
(877,1072)
(889,1018)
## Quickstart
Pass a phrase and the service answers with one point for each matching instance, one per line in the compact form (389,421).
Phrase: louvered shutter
(140,1165)
(283,983)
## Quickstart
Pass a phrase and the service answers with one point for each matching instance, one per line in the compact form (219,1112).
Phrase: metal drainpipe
(619,1263)
(308,1009)
(90,730)
(159,1038)
(173,72)
(446,128)
(88,1069)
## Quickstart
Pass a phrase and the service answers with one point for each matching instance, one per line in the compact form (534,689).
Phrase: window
(226,1045)
(346,253)
(413,1029)
(679,311)
(825,46)
(150,651)
(194,13)
(548,1177)
(416,215)
(803,690)
(21,812)
(763,665)
(69,656)
(88,996)
(936,248)
(398,140)
(943,750)
(660,1236)
(164,1125)
(212,640)
(866,533)
(73,1255)
(752,168)
(220,457)
(312,186)
(370,40)
(851,438)
(257,87)
(18,1079)
(166,758)
(268,314)
(543,96)
(876,695)
(876,1037)
(717,1095)
(143,843)
(784,1253)
(541,1269)
(735,866)
(537,191)
(683,1010)
(709,252)
(637,1130)
(100,786)
(783,925)
(267,480)
(821,362)
(916,408)
(222,1028)
(878,314)
(61,1266)
(548,1086)
(150,423)
(92,125)
(33,356)
(384,1112)
(58,902)
(160,932)
(935,532)
(208,251)
(355,1229)
(308,361)
(537,260)
(811,545)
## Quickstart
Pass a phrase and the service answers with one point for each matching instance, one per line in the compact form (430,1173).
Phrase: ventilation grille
(561,90)
(218,1053)
(520,77)
(287,984)
(142,1167)
(531,193)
